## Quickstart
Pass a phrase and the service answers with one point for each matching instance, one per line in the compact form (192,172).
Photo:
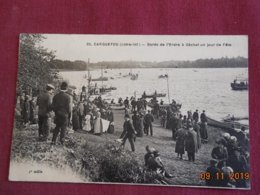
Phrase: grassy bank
(101,159)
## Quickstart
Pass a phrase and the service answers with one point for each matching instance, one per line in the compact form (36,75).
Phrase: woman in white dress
(98,124)
(87,122)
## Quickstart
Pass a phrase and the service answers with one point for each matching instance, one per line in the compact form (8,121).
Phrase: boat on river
(117,106)
(134,76)
(230,118)
(163,76)
(153,95)
(231,127)
(239,84)
(100,79)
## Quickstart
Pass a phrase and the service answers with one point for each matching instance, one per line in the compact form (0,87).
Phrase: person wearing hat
(161,102)
(133,104)
(203,127)
(180,142)
(110,118)
(128,132)
(62,108)
(44,102)
(220,151)
(227,180)
(148,123)
(148,156)
(212,170)
(126,102)
(156,109)
(155,164)
(195,116)
(83,94)
(191,145)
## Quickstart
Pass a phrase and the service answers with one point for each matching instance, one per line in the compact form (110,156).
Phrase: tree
(34,63)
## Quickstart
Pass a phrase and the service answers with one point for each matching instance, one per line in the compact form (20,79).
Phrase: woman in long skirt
(98,124)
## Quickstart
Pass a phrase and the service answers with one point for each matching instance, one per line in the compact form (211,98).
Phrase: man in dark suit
(62,108)
(44,102)
(195,116)
(148,119)
(203,127)
(128,132)
(110,118)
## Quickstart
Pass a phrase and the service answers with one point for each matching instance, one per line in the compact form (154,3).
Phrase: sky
(154,48)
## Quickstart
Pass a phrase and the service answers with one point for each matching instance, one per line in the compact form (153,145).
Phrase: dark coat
(219,153)
(180,141)
(61,104)
(191,141)
(203,131)
(203,118)
(133,103)
(44,102)
(196,128)
(110,116)
(129,130)
(75,119)
(137,122)
(148,119)
(195,116)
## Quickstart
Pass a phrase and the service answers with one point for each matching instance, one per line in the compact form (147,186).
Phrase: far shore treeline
(238,62)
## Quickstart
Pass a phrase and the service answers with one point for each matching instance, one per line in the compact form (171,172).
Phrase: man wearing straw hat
(44,101)
(62,107)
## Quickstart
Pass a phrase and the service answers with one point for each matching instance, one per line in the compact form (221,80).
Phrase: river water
(203,89)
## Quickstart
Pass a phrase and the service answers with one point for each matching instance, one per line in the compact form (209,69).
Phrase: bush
(111,163)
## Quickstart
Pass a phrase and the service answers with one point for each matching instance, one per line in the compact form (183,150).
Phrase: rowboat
(163,106)
(117,106)
(232,118)
(231,127)
(163,76)
(153,95)
(100,79)
(239,84)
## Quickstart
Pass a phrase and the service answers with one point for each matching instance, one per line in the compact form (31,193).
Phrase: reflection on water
(202,89)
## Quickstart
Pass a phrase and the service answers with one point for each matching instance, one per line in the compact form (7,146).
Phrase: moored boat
(231,127)
(100,79)
(239,84)
(153,95)
(117,106)
(134,77)
(163,76)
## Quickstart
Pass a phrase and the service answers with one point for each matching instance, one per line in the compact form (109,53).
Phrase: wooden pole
(168,88)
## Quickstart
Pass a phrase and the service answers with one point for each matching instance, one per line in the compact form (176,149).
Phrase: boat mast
(88,78)
(168,88)
(101,77)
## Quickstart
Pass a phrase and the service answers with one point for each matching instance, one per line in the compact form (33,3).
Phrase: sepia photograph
(162,110)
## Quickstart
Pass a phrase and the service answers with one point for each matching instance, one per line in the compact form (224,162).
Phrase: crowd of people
(67,111)
(230,160)
(188,131)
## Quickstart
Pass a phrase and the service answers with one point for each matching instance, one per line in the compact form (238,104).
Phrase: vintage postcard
(132,109)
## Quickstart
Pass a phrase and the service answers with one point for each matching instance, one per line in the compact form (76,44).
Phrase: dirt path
(184,172)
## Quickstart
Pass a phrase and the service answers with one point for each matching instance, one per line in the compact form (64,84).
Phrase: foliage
(34,63)
(68,65)
(200,63)
(111,163)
